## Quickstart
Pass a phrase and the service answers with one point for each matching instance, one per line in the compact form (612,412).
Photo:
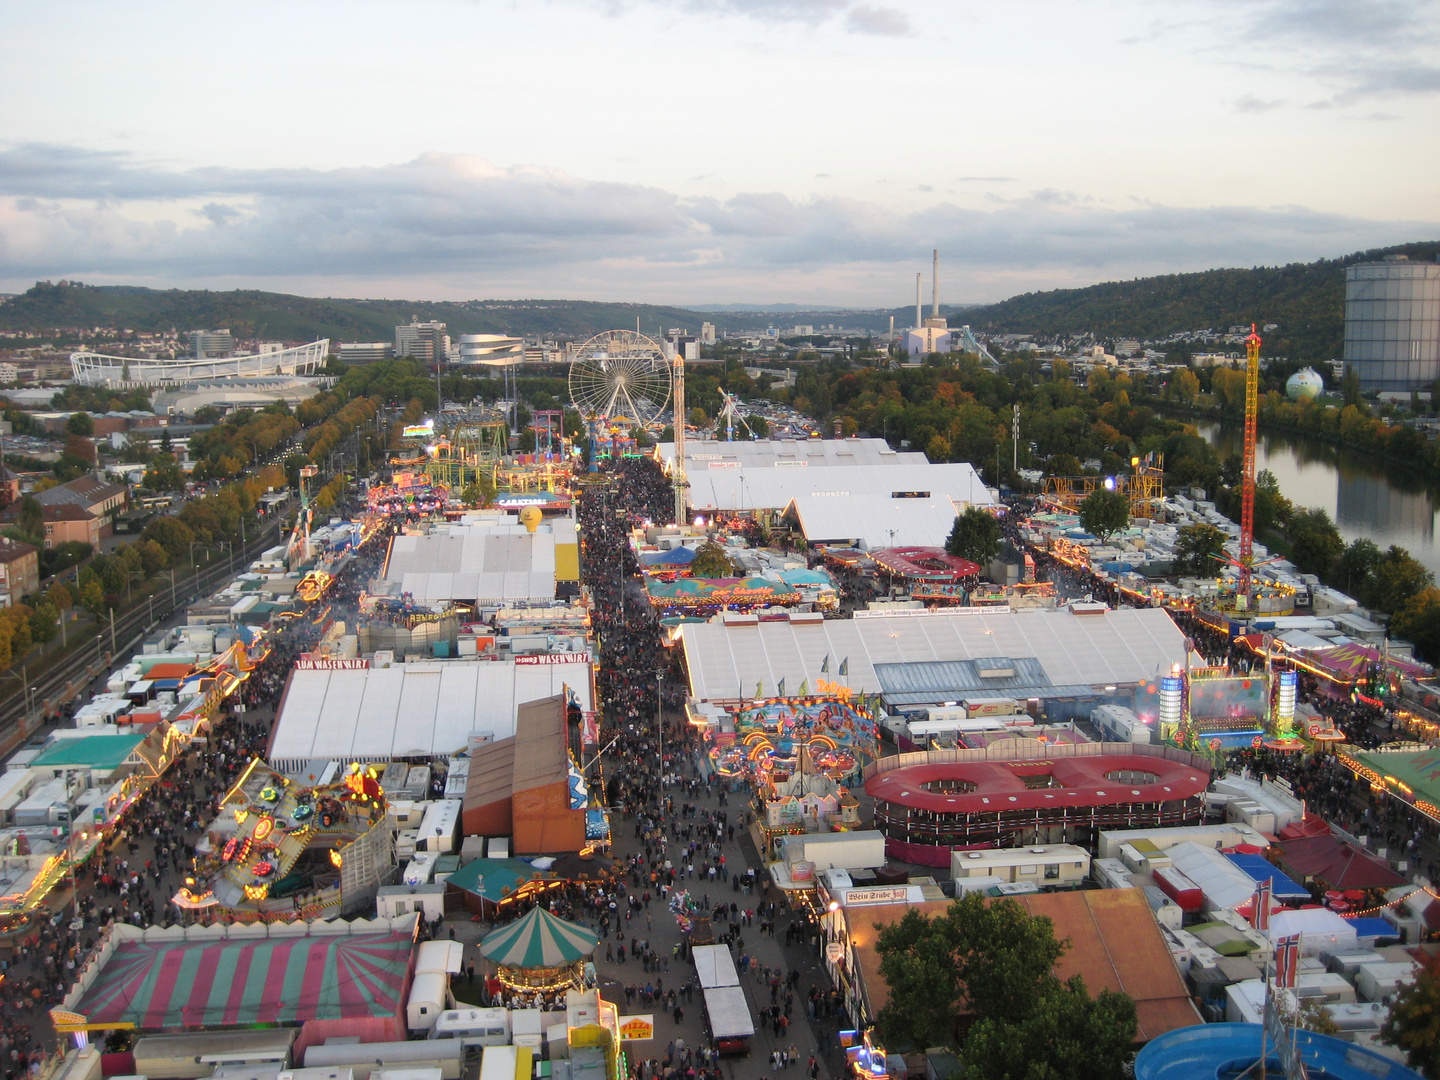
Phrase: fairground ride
(1144,487)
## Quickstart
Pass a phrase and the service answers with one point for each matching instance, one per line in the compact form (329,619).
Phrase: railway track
(73,675)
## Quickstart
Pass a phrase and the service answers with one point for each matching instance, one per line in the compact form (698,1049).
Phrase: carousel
(540,953)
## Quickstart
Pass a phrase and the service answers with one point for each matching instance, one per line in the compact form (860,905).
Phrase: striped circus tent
(539,940)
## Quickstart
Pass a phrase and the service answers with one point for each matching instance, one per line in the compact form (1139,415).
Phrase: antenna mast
(677,474)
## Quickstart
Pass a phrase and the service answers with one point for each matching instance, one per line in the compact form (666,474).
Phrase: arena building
(1020,792)
(129,372)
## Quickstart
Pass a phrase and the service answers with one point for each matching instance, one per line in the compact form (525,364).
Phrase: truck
(727,1015)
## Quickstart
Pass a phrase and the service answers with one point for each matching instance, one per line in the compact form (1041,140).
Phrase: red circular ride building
(927,809)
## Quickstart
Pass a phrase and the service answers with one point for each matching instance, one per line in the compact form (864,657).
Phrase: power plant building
(1392,323)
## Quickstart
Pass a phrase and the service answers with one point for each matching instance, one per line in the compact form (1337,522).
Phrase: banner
(552,658)
(331,665)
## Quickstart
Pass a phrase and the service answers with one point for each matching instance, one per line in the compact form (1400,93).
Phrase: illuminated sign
(330,665)
(909,494)
(637,1028)
(553,658)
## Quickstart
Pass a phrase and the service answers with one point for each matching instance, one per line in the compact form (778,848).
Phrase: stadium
(127,372)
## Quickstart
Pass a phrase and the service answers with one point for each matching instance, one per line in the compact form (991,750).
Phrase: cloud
(1249,103)
(1380,48)
(450,225)
(880,21)
(859,18)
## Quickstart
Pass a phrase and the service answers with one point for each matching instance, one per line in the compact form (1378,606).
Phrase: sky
(707,151)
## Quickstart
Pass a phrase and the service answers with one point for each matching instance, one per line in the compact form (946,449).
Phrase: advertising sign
(881,895)
(637,1028)
(553,658)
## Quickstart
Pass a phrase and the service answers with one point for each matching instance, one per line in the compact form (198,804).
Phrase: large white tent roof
(483,563)
(789,453)
(728,659)
(411,710)
(760,488)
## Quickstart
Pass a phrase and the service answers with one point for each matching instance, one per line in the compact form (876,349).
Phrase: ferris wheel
(620,374)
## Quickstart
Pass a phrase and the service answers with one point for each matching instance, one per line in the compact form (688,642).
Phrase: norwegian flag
(1260,905)
(1287,961)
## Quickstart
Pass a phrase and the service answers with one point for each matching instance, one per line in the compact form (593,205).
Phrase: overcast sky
(707,151)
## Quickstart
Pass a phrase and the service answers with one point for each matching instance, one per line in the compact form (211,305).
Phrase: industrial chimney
(918,319)
(935,285)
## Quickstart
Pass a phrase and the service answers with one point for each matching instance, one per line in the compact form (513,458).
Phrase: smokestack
(892,326)
(919,322)
(935,285)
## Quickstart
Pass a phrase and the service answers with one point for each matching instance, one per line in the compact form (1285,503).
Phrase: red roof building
(1061,793)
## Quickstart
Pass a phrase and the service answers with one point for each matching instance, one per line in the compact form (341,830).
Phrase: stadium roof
(413,710)
(486,564)
(728,659)
(97,369)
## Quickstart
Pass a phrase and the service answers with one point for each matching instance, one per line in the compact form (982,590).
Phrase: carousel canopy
(539,940)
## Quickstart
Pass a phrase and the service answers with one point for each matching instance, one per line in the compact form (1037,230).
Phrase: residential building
(707,333)
(64,522)
(98,496)
(19,571)
(9,374)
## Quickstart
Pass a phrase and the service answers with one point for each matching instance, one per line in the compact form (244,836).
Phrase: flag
(780,687)
(759,688)
(1287,961)
(1260,903)
(845,666)
(825,665)
(804,687)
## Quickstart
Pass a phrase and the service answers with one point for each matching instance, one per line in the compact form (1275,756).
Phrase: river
(1362,496)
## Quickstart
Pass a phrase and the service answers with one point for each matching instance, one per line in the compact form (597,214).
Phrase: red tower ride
(1247,478)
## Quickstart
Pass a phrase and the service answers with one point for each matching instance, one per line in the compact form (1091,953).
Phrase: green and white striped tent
(539,940)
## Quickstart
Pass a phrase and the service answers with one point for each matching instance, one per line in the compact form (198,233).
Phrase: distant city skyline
(692,151)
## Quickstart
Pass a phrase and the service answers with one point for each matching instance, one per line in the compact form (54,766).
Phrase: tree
(711,562)
(80,423)
(1104,513)
(1315,542)
(153,557)
(165,474)
(1066,1035)
(985,959)
(975,536)
(171,534)
(1357,563)
(1396,579)
(1418,622)
(480,492)
(1350,385)
(1197,549)
(1414,1021)
(31,519)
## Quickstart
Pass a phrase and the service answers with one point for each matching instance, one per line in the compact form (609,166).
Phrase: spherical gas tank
(1304,385)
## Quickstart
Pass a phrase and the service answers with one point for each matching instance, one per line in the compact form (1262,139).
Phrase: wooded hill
(253,314)
(1307,300)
